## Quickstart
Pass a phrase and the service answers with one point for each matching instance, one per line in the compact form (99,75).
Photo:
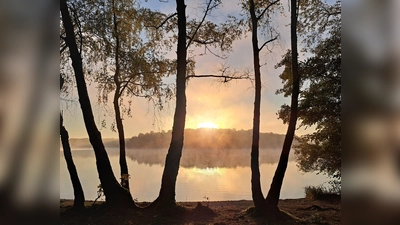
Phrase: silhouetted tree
(79,197)
(263,6)
(115,194)
(168,182)
(320,97)
(123,63)
(276,185)
(202,33)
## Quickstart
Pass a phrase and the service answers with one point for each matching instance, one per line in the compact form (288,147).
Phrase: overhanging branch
(200,41)
(163,22)
(266,8)
(226,78)
(198,27)
(269,41)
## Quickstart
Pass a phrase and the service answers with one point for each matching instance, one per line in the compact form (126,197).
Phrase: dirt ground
(295,211)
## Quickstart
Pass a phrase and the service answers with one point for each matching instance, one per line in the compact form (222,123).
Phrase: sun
(207,125)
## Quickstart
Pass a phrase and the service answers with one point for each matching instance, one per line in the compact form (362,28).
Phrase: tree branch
(124,86)
(221,57)
(163,22)
(271,40)
(226,78)
(269,6)
(198,27)
(78,24)
(199,41)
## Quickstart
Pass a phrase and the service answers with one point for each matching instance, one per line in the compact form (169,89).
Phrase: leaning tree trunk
(115,194)
(275,189)
(121,137)
(118,120)
(79,198)
(258,197)
(168,183)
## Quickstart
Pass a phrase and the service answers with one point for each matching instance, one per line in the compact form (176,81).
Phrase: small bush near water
(321,193)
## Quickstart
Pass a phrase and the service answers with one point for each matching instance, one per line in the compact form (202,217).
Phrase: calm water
(216,177)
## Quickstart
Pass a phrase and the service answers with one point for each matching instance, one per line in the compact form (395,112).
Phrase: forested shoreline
(194,138)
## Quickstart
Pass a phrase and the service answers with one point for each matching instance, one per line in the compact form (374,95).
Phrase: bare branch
(269,41)
(136,94)
(226,78)
(221,57)
(124,86)
(266,8)
(163,22)
(198,27)
(200,41)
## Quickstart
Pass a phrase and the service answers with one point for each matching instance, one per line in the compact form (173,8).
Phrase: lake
(219,175)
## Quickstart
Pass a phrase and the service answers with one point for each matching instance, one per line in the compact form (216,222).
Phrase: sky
(208,100)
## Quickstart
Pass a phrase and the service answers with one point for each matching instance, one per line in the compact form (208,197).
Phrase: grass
(320,193)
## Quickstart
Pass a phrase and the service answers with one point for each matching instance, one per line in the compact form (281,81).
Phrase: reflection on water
(220,175)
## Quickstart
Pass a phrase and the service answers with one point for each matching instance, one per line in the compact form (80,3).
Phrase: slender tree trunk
(79,198)
(275,189)
(115,194)
(121,137)
(120,127)
(168,183)
(258,197)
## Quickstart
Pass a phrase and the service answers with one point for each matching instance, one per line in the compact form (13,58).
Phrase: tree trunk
(275,189)
(120,127)
(79,198)
(258,197)
(168,183)
(121,137)
(115,194)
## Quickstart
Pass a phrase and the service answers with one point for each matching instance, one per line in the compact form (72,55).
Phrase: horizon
(170,130)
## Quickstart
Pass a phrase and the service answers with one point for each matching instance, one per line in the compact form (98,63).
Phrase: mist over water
(217,174)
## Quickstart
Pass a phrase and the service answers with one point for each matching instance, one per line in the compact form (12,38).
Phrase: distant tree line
(207,139)
(194,139)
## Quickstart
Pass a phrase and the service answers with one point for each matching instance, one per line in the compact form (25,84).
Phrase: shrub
(321,193)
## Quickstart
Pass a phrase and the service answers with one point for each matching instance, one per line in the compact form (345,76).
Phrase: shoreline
(306,211)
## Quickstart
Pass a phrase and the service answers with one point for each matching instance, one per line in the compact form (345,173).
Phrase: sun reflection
(206,171)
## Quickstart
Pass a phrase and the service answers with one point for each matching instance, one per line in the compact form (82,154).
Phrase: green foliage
(119,53)
(316,19)
(319,104)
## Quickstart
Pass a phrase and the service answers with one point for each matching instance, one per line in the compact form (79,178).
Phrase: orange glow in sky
(207,125)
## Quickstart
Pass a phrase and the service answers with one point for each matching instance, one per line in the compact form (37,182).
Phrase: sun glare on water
(207,125)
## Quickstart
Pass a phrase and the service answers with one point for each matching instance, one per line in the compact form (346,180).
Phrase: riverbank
(299,211)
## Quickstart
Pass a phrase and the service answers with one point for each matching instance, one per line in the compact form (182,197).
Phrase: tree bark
(276,185)
(79,198)
(115,194)
(118,120)
(257,195)
(168,183)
